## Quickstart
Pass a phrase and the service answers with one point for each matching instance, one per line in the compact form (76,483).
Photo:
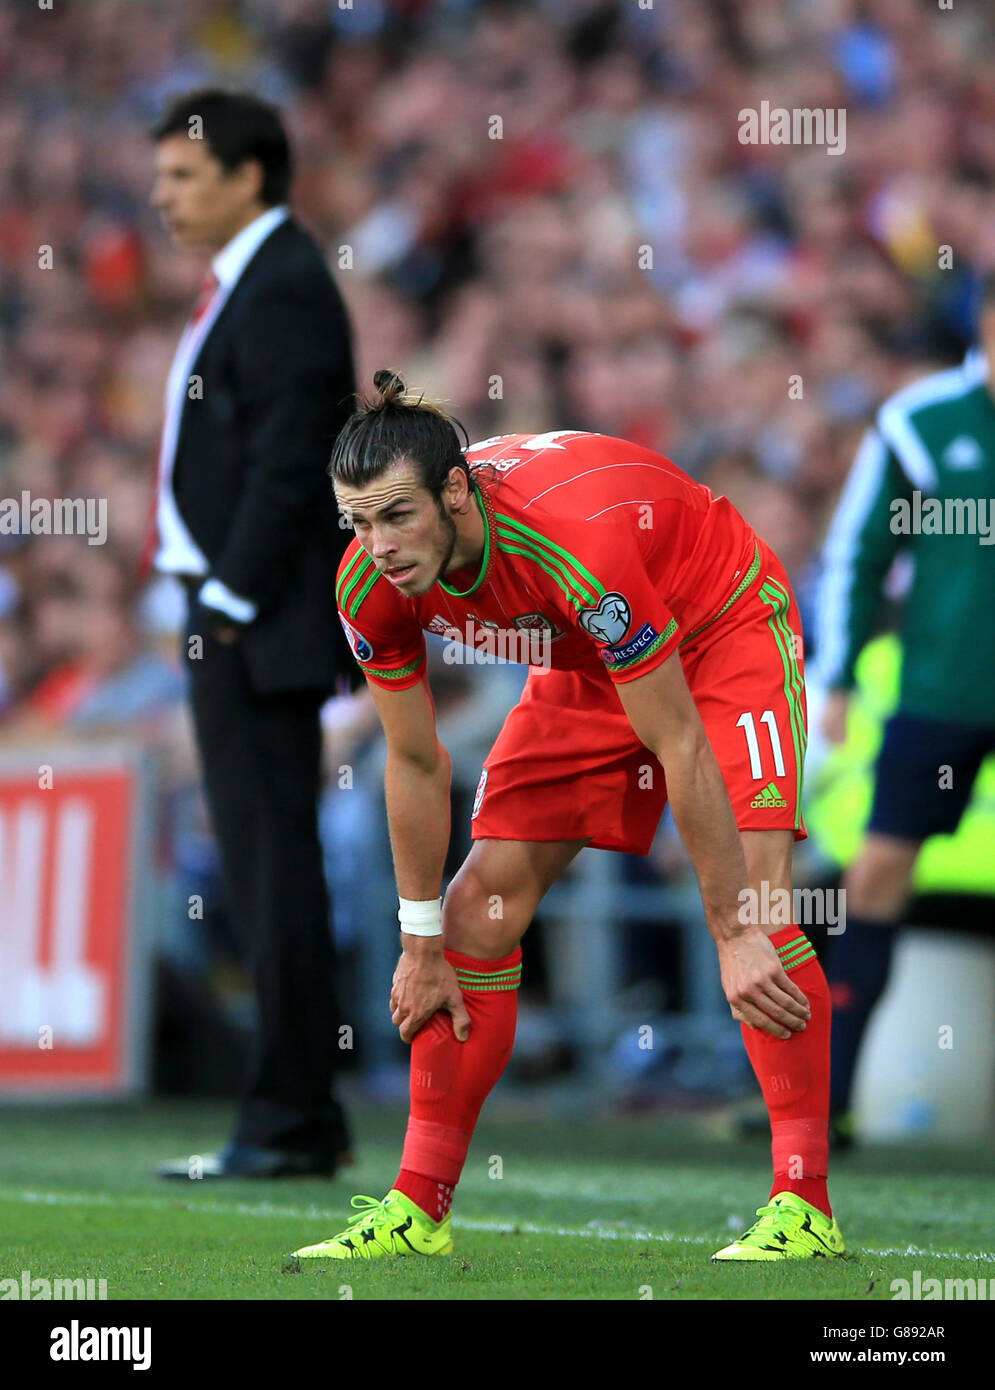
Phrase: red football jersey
(600,556)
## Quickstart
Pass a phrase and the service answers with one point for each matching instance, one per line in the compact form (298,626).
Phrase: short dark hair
(237,126)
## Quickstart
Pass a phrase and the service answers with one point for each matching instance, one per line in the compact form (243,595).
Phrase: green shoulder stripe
(359,583)
(374,575)
(555,573)
(350,571)
(354,576)
(577,574)
(513,543)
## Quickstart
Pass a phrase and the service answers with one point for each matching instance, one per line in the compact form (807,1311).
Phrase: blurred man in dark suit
(246,519)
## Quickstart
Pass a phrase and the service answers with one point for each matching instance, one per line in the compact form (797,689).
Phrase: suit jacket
(249,473)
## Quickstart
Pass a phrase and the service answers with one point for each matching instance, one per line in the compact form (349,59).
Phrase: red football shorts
(567,764)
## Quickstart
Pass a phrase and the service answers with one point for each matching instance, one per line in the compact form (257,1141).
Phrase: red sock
(451,1080)
(794,1077)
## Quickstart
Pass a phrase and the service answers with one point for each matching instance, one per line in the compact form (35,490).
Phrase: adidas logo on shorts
(769,797)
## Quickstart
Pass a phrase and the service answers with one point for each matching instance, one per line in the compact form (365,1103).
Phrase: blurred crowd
(540,212)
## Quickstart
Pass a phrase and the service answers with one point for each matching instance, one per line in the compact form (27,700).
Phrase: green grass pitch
(575,1209)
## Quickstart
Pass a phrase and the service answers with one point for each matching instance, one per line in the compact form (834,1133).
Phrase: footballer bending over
(661,632)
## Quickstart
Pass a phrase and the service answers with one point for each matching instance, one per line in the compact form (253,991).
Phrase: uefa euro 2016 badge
(361,649)
(609,622)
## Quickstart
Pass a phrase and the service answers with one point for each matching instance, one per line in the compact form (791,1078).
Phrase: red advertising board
(69,831)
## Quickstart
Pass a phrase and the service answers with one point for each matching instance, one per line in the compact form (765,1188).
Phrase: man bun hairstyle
(392,424)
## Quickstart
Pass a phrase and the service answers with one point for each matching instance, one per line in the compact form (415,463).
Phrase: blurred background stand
(927,1068)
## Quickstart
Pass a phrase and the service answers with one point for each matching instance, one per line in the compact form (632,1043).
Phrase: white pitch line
(601,1232)
(596,1230)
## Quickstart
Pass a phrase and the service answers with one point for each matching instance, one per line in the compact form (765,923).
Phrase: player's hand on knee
(425,982)
(756,986)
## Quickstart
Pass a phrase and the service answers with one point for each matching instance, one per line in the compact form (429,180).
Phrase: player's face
(397,521)
(200,203)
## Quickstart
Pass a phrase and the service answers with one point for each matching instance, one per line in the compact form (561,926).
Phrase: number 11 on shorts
(746,723)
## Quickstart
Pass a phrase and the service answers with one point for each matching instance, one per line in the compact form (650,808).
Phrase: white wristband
(420,918)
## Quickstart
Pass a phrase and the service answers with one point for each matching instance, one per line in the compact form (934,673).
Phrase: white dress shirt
(178,552)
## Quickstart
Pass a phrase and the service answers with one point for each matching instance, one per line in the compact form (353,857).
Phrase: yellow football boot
(789,1228)
(392,1226)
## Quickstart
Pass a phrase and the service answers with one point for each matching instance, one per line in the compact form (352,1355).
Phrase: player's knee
(479,921)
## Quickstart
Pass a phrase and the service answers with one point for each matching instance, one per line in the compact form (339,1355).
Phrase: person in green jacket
(922,483)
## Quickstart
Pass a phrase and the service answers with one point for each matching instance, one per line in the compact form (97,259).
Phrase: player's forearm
(704,816)
(419,819)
